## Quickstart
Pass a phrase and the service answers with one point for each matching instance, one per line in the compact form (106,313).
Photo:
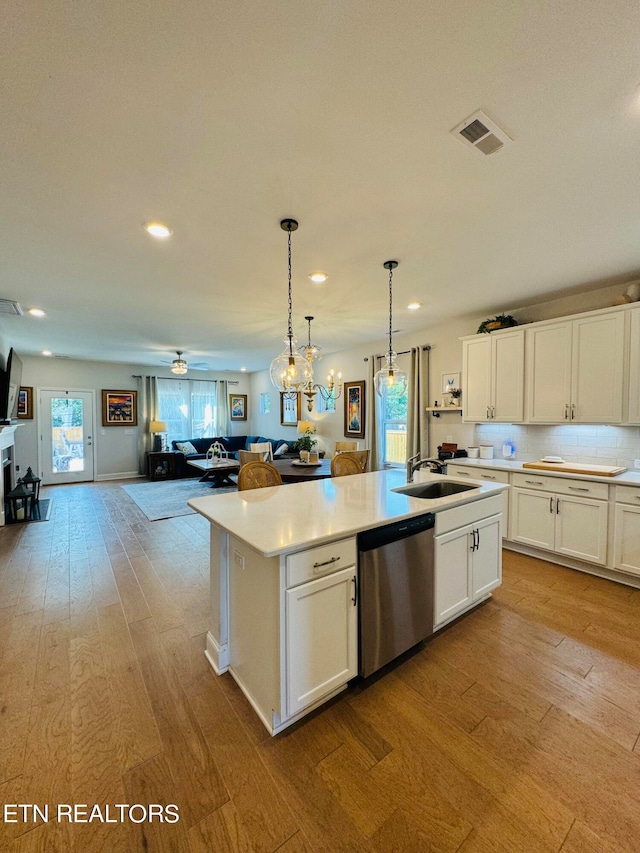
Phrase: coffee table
(217,473)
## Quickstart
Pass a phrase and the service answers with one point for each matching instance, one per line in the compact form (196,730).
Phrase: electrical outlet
(636,463)
(238,560)
(449,438)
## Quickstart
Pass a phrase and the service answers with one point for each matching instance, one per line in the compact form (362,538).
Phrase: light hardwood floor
(514,730)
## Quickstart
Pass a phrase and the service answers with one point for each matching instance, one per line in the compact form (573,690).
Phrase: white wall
(445,357)
(116,448)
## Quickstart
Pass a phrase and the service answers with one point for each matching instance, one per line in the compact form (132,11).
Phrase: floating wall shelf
(436,411)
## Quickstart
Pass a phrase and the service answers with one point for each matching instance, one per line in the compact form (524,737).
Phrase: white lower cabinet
(468,564)
(321,637)
(489,475)
(626,553)
(555,519)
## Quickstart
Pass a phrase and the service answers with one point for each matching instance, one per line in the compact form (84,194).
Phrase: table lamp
(157,428)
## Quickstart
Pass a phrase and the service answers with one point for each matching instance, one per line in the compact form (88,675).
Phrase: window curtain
(188,407)
(373,410)
(418,394)
(147,411)
(222,408)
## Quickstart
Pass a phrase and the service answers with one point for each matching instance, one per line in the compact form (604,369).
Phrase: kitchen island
(284,578)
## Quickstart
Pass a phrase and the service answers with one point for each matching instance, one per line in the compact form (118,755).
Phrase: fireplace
(7,460)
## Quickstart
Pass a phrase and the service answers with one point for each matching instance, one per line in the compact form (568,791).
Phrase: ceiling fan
(180,366)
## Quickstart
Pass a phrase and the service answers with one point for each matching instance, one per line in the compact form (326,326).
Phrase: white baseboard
(125,475)
(218,656)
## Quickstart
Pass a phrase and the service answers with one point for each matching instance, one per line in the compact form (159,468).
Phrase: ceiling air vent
(481,134)
(8,306)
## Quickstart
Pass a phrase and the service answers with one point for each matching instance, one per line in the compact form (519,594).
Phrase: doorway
(65,419)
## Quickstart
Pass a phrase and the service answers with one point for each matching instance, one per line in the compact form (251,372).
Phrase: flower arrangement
(500,321)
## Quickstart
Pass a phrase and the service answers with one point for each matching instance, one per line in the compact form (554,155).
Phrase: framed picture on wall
(238,407)
(354,422)
(119,408)
(289,408)
(25,402)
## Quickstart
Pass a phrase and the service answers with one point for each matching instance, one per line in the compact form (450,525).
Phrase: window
(188,406)
(392,420)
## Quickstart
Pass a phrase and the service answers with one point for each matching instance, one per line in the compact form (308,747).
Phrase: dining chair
(245,456)
(257,475)
(341,446)
(263,447)
(344,464)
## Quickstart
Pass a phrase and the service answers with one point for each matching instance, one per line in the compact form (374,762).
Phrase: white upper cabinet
(575,370)
(634,368)
(493,377)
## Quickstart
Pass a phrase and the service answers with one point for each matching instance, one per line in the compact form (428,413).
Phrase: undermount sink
(431,491)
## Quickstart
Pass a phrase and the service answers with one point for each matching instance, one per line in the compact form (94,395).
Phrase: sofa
(231,443)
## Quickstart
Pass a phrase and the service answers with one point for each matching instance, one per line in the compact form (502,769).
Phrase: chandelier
(290,371)
(391,377)
(333,388)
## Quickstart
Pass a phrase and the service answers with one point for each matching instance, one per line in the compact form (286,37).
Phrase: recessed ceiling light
(46,352)
(158,230)
(243,370)
(413,306)
(318,277)
(37,312)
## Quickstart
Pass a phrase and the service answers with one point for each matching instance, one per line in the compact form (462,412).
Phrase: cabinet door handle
(487,477)
(535,482)
(566,411)
(355,590)
(478,540)
(557,506)
(493,413)
(488,413)
(550,504)
(579,489)
(472,534)
(573,411)
(326,563)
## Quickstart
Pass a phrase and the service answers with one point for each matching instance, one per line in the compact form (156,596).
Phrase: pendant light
(290,371)
(390,377)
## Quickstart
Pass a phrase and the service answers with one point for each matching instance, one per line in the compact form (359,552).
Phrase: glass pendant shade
(390,378)
(290,371)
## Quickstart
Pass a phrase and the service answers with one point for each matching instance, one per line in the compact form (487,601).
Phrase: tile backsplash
(600,445)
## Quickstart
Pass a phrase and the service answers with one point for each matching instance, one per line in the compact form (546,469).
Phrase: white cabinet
(626,553)
(565,516)
(468,561)
(493,377)
(491,475)
(634,367)
(321,637)
(575,370)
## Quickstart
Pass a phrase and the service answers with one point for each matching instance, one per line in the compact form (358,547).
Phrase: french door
(65,420)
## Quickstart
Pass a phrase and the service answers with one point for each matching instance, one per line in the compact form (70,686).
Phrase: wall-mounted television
(10,381)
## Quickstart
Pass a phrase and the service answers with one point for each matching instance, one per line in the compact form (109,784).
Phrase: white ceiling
(221,118)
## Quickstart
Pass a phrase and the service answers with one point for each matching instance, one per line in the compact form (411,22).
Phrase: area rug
(169,499)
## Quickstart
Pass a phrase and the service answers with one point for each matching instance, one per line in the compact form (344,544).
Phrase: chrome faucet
(412,466)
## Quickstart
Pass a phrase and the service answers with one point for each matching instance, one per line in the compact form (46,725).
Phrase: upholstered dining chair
(341,446)
(263,447)
(245,456)
(257,475)
(347,463)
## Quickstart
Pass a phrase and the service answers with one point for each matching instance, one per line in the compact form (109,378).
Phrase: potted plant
(500,321)
(456,393)
(306,442)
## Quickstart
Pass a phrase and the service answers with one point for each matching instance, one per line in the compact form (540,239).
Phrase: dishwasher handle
(380,536)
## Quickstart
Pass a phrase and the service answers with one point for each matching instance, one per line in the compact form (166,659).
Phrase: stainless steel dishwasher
(395,569)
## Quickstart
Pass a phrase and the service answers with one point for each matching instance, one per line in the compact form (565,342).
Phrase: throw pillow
(282,449)
(186,447)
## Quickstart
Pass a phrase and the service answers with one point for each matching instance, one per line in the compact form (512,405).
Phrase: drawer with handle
(316,562)
(563,486)
(533,481)
(627,495)
(471,472)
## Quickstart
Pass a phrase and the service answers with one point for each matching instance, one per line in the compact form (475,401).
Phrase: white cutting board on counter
(576,468)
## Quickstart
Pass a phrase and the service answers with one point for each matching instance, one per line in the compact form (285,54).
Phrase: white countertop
(629,478)
(283,519)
